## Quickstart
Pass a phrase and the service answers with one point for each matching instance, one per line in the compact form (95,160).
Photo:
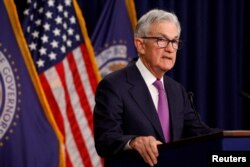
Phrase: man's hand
(147,147)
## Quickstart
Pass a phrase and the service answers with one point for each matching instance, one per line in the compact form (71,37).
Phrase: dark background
(214,61)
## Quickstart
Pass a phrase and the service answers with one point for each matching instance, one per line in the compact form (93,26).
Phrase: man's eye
(161,39)
(175,41)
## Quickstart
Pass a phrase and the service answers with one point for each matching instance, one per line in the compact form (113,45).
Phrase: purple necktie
(163,111)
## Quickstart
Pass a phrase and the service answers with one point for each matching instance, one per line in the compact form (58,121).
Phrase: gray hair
(155,16)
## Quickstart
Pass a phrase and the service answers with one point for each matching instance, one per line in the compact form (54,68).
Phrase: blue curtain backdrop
(214,62)
(245,66)
(210,62)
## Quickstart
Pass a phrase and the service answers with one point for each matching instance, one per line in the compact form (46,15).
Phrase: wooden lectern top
(235,133)
(225,134)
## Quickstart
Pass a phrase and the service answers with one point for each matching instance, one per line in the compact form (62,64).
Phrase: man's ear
(139,45)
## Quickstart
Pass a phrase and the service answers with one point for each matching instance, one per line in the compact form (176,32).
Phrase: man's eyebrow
(165,36)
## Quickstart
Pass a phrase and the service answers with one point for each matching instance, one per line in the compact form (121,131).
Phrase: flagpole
(89,46)
(132,12)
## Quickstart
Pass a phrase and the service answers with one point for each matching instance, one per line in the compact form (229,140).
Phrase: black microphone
(191,99)
(245,95)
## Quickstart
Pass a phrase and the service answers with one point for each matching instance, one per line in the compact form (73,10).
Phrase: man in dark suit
(128,102)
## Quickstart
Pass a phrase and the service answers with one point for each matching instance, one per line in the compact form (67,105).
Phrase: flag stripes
(71,93)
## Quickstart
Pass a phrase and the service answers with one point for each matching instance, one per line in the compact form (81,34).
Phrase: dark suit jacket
(124,109)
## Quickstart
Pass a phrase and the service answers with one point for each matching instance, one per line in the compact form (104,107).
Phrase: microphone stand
(191,99)
(245,109)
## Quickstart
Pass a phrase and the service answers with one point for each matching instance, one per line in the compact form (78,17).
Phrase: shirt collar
(148,77)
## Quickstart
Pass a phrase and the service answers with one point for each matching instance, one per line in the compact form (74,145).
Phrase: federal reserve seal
(8,96)
(112,58)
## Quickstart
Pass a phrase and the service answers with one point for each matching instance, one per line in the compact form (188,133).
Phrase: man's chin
(167,68)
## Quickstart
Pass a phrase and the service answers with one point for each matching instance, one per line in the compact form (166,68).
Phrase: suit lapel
(140,93)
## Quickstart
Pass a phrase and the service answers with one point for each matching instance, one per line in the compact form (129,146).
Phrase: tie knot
(158,85)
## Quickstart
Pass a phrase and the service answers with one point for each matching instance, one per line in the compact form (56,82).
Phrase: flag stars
(67,2)
(70,31)
(31,17)
(63,49)
(58,20)
(57,32)
(52,56)
(72,20)
(45,38)
(53,34)
(66,14)
(28,29)
(54,44)
(51,3)
(32,46)
(77,36)
(40,63)
(42,51)
(35,34)
(60,8)
(26,12)
(38,22)
(40,10)
(64,37)
(46,27)
(35,5)
(65,26)
(48,15)
(69,43)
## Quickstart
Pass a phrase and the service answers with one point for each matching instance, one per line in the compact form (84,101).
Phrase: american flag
(56,36)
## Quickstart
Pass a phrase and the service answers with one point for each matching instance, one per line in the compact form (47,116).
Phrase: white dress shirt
(149,78)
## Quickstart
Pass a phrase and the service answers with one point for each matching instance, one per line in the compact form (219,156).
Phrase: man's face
(158,60)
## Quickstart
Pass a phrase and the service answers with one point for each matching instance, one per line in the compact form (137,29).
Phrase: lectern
(191,152)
